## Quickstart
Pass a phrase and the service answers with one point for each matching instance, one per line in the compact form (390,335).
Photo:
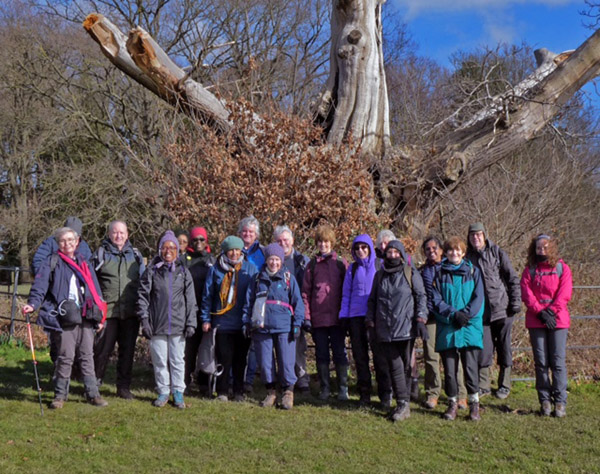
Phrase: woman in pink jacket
(546,287)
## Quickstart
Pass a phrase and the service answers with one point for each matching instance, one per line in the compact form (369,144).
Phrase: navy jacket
(278,318)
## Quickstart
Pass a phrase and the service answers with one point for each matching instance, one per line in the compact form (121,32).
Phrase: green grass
(314,437)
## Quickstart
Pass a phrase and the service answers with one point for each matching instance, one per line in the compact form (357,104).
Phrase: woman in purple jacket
(356,291)
(322,296)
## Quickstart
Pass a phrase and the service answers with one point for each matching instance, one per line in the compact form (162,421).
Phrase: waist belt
(281,303)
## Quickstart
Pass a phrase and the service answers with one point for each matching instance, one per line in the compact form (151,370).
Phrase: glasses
(199,239)
(67,241)
(169,247)
(361,247)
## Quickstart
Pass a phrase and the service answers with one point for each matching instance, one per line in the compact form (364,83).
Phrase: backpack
(558,270)
(101,258)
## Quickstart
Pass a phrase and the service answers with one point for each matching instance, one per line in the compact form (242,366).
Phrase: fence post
(13,308)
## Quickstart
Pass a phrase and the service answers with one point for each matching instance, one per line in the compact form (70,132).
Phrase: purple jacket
(322,289)
(357,289)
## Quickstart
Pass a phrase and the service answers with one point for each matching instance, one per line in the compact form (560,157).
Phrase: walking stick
(35,370)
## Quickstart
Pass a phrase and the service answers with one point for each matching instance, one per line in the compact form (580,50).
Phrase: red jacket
(547,290)
(322,290)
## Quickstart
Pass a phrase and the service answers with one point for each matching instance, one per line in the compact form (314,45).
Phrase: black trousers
(231,351)
(497,335)
(469,357)
(360,352)
(192,344)
(124,332)
(397,356)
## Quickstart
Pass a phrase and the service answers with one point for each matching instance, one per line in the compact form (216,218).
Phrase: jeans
(285,351)
(167,359)
(550,353)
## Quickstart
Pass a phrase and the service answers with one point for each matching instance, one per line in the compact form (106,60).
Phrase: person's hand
(295,334)
(146,330)
(514,311)
(370,325)
(461,319)
(548,317)
(422,330)
(189,331)
(246,331)
(27,309)
(307,326)
(99,327)
(205,327)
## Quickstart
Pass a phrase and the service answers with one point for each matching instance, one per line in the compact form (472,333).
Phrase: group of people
(258,303)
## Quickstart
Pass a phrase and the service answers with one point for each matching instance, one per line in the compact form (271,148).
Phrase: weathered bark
(355,99)
(143,60)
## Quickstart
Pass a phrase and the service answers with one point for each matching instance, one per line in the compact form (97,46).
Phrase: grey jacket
(501,283)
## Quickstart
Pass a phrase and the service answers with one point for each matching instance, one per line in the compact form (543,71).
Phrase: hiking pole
(35,364)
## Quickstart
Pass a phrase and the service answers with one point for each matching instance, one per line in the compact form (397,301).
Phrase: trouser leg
(539,345)
(85,355)
(104,343)
(398,359)
(285,351)
(450,361)
(360,352)
(159,353)
(176,345)
(486,358)
(469,357)
(191,354)
(128,333)
(263,347)
(241,345)
(300,364)
(502,337)
(337,337)
(224,353)
(382,372)
(557,350)
(433,380)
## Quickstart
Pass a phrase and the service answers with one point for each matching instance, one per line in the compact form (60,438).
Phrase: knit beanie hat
(477,227)
(74,223)
(198,232)
(168,236)
(274,250)
(232,242)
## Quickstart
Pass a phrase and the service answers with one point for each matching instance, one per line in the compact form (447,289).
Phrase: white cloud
(415,8)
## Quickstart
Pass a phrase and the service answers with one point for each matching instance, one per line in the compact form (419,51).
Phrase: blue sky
(442,27)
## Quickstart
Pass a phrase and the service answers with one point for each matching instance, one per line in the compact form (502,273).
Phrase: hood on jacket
(396,244)
(364,239)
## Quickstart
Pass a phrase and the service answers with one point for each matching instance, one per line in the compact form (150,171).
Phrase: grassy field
(213,436)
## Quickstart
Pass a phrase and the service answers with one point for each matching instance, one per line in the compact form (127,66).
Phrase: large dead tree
(355,102)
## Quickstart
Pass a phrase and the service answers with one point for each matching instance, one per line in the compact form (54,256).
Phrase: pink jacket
(322,290)
(547,290)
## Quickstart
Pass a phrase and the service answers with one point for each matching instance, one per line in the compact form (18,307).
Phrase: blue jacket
(458,288)
(50,246)
(50,287)
(357,288)
(428,273)
(278,318)
(255,254)
(296,264)
(231,321)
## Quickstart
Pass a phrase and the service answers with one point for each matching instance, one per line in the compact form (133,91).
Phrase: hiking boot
(270,399)
(98,401)
(325,391)
(365,399)
(386,403)
(462,404)
(431,403)
(546,408)
(474,411)
(484,392)
(414,389)
(450,413)
(248,388)
(342,376)
(304,390)
(125,394)
(222,398)
(401,412)
(178,400)
(57,404)
(161,400)
(502,393)
(560,410)
(239,397)
(287,402)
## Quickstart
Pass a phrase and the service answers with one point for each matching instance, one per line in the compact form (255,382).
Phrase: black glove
(461,319)
(295,334)
(246,331)
(146,330)
(422,331)
(512,312)
(548,317)
(307,326)
(189,331)
(370,331)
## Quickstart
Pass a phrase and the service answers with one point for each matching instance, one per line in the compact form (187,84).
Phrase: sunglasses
(361,247)
(199,239)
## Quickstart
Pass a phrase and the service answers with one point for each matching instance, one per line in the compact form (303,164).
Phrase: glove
(370,331)
(548,317)
(246,331)
(189,331)
(461,319)
(146,330)
(295,334)
(512,312)
(422,331)
(307,326)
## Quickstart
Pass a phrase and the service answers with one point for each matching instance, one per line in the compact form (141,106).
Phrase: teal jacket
(458,288)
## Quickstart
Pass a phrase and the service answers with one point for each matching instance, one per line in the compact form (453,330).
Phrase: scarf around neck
(228,290)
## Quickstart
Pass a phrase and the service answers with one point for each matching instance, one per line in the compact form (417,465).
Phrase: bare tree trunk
(355,99)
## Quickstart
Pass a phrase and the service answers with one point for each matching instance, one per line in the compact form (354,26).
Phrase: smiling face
(477,240)
(433,252)
(67,244)
(541,247)
(199,244)
(118,235)
(286,241)
(234,254)
(324,246)
(248,235)
(183,242)
(168,252)
(273,263)
(455,255)
(361,250)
